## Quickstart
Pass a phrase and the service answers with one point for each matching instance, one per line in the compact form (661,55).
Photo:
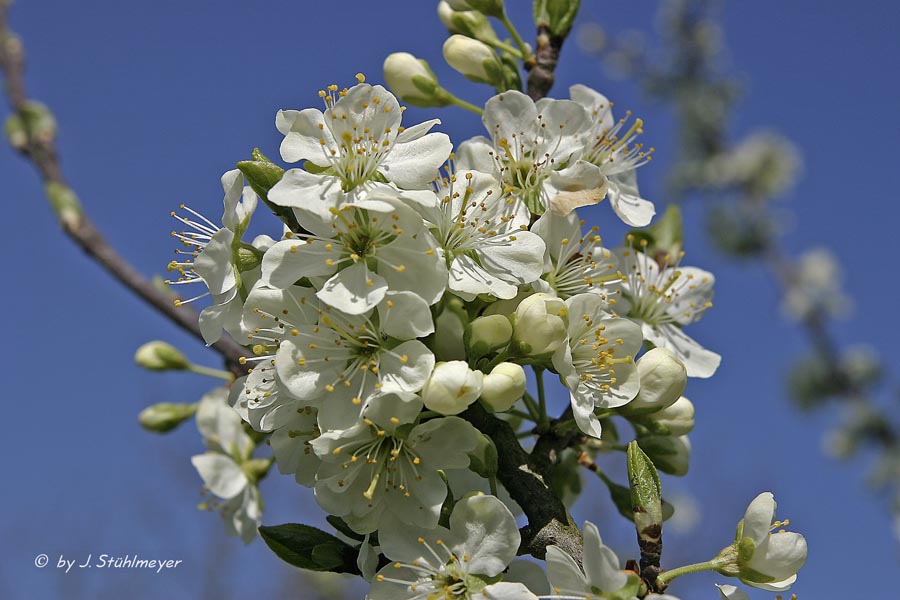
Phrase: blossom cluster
(409,282)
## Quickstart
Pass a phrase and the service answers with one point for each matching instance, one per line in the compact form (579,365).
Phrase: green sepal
(309,548)
(628,591)
(262,175)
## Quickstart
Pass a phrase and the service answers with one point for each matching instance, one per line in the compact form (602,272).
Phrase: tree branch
(40,150)
(548,520)
(542,65)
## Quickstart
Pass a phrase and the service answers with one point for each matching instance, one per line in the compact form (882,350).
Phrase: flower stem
(667,576)
(507,48)
(542,397)
(523,47)
(533,408)
(463,104)
(210,372)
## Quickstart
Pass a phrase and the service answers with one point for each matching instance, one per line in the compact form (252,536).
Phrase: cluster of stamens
(443,575)
(577,271)
(193,239)
(391,461)
(593,356)
(615,151)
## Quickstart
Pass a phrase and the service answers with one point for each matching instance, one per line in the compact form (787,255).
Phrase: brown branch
(40,150)
(548,520)
(542,65)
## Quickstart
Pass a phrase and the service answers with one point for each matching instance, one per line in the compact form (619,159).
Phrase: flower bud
(663,378)
(160,356)
(503,387)
(670,454)
(492,8)
(452,387)
(646,501)
(540,324)
(466,22)
(555,15)
(15,132)
(485,334)
(413,81)
(473,59)
(677,419)
(164,417)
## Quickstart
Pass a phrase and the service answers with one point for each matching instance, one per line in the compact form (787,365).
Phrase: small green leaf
(309,548)
(262,175)
(556,15)
(340,525)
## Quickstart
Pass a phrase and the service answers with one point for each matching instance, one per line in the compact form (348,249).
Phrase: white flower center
(593,355)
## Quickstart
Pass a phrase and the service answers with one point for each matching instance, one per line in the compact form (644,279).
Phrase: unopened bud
(646,501)
(503,387)
(65,204)
(469,23)
(670,454)
(663,379)
(164,417)
(492,8)
(677,419)
(160,356)
(473,59)
(540,325)
(413,81)
(15,132)
(452,387)
(39,122)
(556,15)
(489,333)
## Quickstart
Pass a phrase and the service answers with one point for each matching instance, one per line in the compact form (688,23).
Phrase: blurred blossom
(817,287)
(591,38)
(687,513)
(765,164)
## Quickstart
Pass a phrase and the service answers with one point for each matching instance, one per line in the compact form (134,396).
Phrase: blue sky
(156,100)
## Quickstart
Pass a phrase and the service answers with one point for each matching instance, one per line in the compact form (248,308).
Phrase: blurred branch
(742,179)
(31,130)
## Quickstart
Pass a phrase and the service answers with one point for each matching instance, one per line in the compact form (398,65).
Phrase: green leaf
(621,497)
(309,548)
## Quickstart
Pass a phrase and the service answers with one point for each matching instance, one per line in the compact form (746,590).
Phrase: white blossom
(597,364)
(576,263)
(374,245)
(221,467)
(616,154)
(356,143)
(481,542)
(663,300)
(211,258)
(535,150)
(601,574)
(378,466)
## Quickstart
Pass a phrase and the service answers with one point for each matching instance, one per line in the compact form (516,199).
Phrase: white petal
(488,534)
(729,592)
(415,163)
(698,361)
(220,474)
(214,264)
(508,113)
(627,202)
(309,194)
(583,410)
(475,155)
(468,277)
(354,290)
(507,591)
(289,260)
(563,573)
(601,563)
(521,260)
(409,375)
(758,517)
(780,556)
(407,317)
(302,135)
